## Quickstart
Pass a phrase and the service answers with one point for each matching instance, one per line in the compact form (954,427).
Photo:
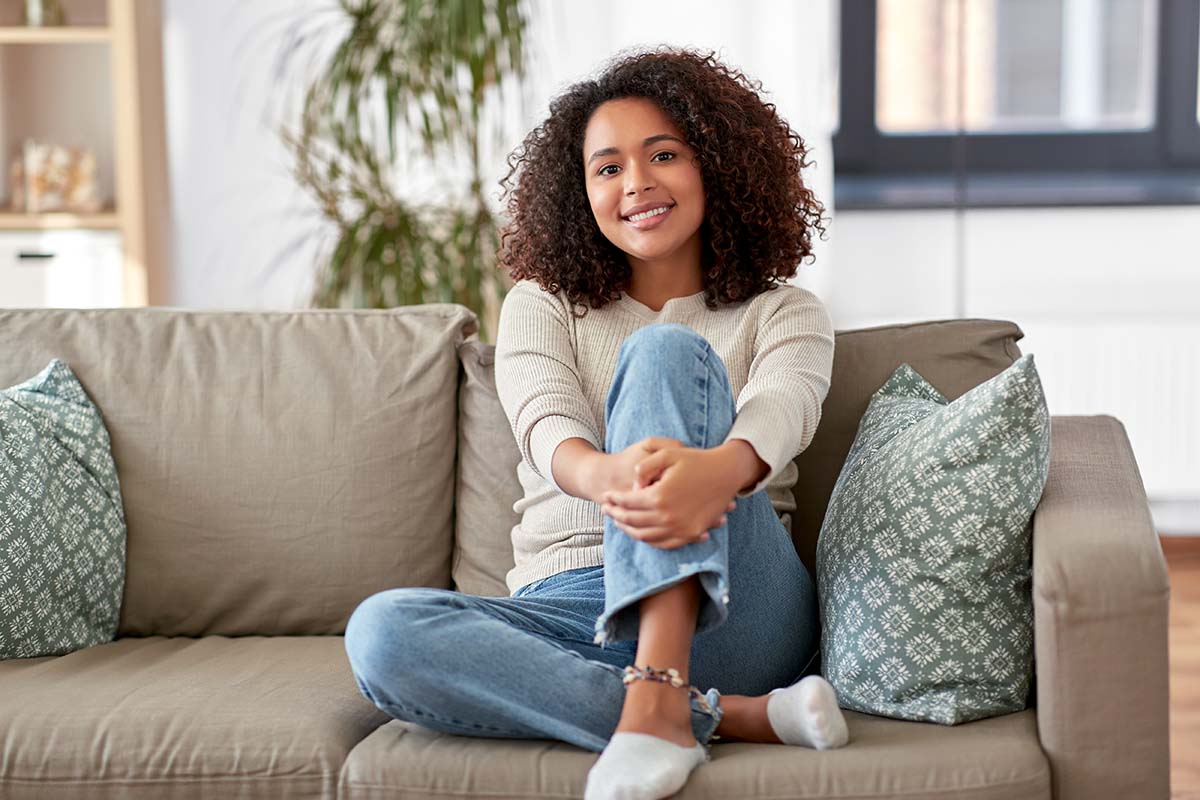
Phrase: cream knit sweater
(553,373)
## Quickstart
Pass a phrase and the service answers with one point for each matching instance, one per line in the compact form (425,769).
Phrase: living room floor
(1183,569)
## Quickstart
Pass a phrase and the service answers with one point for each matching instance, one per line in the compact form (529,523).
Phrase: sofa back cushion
(277,468)
(487,484)
(955,355)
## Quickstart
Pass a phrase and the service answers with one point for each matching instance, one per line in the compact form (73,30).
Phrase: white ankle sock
(806,713)
(638,766)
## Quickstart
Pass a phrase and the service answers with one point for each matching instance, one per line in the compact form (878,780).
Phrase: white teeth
(648,214)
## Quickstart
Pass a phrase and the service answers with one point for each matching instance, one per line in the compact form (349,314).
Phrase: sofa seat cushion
(993,759)
(182,718)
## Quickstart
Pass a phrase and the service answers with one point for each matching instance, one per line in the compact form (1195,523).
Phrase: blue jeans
(548,662)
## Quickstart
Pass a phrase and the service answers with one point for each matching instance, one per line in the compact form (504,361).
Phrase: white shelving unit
(95,82)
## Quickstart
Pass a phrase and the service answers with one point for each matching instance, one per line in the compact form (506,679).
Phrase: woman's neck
(654,283)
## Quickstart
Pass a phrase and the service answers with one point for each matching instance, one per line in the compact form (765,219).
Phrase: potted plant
(407,70)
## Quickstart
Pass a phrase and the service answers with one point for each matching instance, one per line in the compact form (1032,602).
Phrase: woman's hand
(679,493)
(618,471)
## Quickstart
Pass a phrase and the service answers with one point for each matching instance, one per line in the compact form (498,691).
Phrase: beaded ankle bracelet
(670,675)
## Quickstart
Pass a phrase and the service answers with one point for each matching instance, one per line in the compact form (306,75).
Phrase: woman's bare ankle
(745,720)
(658,709)
(664,642)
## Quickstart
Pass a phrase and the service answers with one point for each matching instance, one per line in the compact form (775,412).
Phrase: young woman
(659,377)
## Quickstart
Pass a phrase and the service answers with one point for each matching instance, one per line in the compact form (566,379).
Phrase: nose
(637,177)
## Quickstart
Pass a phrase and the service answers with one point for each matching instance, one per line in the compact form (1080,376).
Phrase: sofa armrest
(1100,599)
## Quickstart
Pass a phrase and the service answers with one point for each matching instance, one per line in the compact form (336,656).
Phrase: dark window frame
(1162,164)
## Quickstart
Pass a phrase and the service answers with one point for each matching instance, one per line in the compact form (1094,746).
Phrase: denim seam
(448,721)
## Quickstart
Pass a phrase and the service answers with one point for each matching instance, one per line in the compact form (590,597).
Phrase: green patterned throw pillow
(62,524)
(924,555)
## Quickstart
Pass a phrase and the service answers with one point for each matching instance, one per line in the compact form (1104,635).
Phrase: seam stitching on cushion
(905,325)
(950,790)
(182,779)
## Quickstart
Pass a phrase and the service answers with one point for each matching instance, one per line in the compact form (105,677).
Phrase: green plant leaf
(424,68)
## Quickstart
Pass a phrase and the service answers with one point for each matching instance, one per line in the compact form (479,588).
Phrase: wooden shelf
(111,51)
(64,34)
(58,220)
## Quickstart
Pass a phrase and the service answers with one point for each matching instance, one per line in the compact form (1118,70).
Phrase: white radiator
(1144,372)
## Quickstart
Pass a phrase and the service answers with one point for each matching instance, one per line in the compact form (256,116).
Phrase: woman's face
(635,158)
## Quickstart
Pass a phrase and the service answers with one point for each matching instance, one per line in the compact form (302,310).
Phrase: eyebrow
(649,140)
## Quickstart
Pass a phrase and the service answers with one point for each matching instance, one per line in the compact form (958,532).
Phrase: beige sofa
(279,467)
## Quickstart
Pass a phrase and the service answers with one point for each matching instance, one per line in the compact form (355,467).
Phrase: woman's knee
(660,338)
(379,632)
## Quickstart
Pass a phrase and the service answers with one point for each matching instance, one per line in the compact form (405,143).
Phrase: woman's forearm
(745,467)
(579,467)
(576,465)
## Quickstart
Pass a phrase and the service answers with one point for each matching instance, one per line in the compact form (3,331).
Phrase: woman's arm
(744,463)
(539,385)
(577,468)
(779,408)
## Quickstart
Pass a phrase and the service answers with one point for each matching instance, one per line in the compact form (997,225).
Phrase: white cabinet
(60,269)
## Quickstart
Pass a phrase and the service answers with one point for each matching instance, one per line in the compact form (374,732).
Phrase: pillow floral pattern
(924,555)
(62,523)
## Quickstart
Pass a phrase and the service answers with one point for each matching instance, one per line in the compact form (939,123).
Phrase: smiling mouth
(662,211)
(630,217)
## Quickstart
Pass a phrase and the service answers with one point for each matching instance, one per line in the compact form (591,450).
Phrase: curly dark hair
(759,215)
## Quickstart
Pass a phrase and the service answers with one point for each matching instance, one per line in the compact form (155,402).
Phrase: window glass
(1026,65)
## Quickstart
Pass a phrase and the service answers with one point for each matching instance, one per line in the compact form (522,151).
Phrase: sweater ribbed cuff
(771,446)
(547,434)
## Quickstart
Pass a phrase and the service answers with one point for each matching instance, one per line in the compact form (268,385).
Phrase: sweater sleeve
(780,406)
(537,378)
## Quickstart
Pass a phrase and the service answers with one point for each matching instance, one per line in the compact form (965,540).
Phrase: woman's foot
(652,751)
(638,766)
(807,714)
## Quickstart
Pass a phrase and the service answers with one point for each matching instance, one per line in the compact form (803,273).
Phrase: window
(1048,65)
(1019,87)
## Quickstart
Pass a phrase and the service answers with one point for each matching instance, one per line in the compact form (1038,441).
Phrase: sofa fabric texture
(992,759)
(62,524)
(160,718)
(486,483)
(924,556)
(276,467)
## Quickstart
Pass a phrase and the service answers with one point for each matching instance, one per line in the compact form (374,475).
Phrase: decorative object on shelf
(39,13)
(52,177)
(390,80)
(16,185)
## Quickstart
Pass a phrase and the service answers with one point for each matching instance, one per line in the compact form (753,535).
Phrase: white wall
(236,208)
